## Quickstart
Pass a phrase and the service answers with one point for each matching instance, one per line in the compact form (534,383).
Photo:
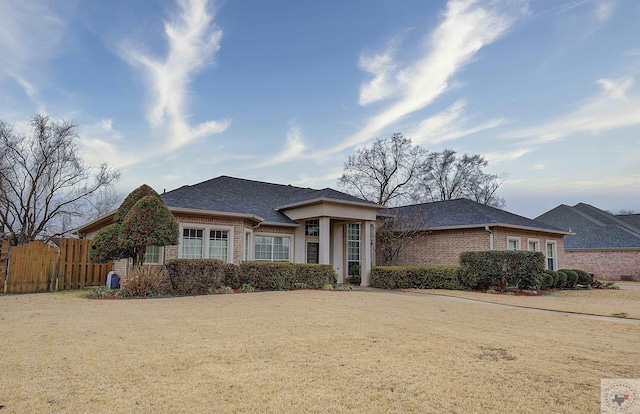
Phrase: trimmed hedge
(555,277)
(562,279)
(194,276)
(481,270)
(572,278)
(286,275)
(189,276)
(584,278)
(547,281)
(416,277)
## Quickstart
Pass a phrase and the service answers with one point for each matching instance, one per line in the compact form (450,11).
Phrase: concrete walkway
(481,302)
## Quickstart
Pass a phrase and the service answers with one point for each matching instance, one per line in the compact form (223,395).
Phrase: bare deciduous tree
(395,230)
(386,173)
(44,183)
(447,176)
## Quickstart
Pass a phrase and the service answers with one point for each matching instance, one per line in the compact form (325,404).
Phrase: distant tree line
(395,172)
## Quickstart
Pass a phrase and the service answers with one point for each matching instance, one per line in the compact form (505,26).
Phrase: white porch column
(365,260)
(338,251)
(299,245)
(325,241)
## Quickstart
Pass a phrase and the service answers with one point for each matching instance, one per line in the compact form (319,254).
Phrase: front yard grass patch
(604,302)
(304,351)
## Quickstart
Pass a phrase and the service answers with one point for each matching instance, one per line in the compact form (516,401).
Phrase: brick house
(444,229)
(603,243)
(234,219)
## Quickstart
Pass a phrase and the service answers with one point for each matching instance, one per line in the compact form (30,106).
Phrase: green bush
(554,275)
(315,276)
(572,278)
(196,276)
(584,278)
(546,281)
(481,270)
(285,275)
(416,277)
(232,276)
(562,279)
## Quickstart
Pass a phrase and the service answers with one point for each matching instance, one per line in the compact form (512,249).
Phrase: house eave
(103,220)
(328,200)
(490,225)
(599,249)
(195,211)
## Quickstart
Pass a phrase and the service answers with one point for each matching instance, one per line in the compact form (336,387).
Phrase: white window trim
(515,239)
(205,238)
(555,255)
(160,257)
(534,241)
(283,235)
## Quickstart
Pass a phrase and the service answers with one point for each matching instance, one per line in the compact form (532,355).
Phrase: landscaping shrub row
(190,276)
(568,278)
(481,270)
(416,277)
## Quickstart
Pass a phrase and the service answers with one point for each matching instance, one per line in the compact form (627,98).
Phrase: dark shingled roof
(461,213)
(594,228)
(240,196)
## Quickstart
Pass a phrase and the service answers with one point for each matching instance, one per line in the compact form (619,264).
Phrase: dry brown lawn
(304,351)
(605,302)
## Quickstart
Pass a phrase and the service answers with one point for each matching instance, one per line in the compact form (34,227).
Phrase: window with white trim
(272,248)
(312,228)
(152,255)
(513,243)
(533,245)
(551,256)
(353,245)
(219,245)
(192,243)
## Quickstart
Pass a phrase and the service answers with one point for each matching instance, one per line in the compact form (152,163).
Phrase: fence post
(5,246)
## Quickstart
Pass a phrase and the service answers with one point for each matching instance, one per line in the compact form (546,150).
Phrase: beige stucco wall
(605,264)
(333,210)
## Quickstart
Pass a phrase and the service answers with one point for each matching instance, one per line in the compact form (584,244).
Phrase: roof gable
(594,228)
(241,196)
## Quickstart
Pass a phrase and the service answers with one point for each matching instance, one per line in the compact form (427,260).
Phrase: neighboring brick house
(605,244)
(444,229)
(234,219)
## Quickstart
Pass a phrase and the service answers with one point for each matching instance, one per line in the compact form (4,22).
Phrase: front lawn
(304,351)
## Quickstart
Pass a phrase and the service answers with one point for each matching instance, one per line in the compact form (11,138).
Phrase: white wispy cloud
(449,125)
(30,34)
(193,40)
(294,147)
(604,10)
(496,157)
(382,66)
(616,106)
(100,142)
(466,27)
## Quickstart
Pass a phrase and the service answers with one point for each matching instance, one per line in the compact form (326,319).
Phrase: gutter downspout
(487,228)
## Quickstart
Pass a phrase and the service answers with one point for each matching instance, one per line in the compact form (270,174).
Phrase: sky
(175,92)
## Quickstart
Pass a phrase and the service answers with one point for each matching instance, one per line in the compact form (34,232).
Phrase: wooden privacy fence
(40,267)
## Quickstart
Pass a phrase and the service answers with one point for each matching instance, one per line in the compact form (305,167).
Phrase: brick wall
(501,235)
(605,264)
(443,248)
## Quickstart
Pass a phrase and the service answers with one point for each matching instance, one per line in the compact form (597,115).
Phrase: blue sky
(175,92)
